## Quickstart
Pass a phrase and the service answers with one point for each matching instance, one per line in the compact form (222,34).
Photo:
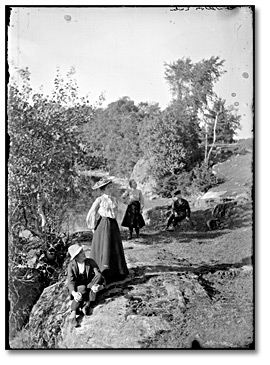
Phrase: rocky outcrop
(24,290)
(142,175)
(236,174)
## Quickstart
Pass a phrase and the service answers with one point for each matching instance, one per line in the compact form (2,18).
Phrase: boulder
(146,182)
(156,215)
(24,290)
(49,315)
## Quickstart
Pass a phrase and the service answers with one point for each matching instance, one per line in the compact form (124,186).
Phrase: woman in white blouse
(133,217)
(107,248)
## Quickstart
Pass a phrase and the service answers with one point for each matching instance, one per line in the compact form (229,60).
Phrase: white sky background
(122,51)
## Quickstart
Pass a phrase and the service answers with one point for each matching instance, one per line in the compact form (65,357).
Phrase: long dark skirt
(107,250)
(133,217)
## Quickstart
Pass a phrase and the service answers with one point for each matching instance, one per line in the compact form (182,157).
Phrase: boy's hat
(74,250)
(104,181)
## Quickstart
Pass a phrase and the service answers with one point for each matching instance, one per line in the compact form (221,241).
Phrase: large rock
(24,291)
(146,182)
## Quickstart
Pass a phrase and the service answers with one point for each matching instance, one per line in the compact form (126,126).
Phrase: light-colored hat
(74,250)
(104,181)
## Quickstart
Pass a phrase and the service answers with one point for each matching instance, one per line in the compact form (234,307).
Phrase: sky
(121,51)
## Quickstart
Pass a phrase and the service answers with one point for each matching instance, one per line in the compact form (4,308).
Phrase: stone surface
(146,183)
(182,285)
(189,286)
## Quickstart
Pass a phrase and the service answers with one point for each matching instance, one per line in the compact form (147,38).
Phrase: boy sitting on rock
(84,281)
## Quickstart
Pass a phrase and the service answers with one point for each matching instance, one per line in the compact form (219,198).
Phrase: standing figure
(133,217)
(84,281)
(107,248)
(180,210)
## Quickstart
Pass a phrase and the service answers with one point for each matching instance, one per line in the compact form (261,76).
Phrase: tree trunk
(206,144)
(214,138)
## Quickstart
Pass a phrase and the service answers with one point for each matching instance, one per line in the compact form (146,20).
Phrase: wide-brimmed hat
(74,250)
(102,182)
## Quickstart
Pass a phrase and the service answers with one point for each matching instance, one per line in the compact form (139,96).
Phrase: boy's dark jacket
(92,271)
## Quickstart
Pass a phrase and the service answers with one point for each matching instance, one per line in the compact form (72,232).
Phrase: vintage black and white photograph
(130,185)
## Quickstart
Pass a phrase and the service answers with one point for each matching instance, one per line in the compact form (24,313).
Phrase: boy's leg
(90,296)
(74,307)
(170,220)
(72,318)
(178,220)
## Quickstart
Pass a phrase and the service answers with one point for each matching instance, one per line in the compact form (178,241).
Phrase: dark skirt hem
(133,217)
(107,249)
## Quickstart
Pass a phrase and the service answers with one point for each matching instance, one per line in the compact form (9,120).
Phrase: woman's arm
(141,200)
(91,216)
(124,196)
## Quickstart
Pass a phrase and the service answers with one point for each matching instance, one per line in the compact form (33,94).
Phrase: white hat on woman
(102,182)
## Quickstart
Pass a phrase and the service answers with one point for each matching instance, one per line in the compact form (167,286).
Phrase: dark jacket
(181,208)
(92,272)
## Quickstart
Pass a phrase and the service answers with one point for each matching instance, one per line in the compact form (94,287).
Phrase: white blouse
(105,206)
(134,195)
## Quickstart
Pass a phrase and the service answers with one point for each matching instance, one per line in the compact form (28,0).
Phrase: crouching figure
(84,281)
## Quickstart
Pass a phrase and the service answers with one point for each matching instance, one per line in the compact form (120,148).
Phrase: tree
(45,145)
(115,137)
(172,141)
(193,85)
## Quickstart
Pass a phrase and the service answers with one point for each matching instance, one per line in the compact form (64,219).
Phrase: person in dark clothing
(180,210)
(84,281)
(133,217)
(107,247)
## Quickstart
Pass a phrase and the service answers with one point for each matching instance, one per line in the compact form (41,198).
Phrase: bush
(199,180)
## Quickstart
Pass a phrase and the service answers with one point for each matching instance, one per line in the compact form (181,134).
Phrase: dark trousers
(173,219)
(87,294)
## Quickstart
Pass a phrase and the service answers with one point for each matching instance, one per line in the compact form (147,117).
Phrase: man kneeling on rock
(84,281)
(180,210)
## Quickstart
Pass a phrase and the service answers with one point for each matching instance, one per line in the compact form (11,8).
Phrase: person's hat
(177,192)
(74,250)
(104,181)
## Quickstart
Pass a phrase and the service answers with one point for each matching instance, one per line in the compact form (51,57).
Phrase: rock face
(146,183)
(24,292)
(183,286)
(237,185)
(49,314)
(194,285)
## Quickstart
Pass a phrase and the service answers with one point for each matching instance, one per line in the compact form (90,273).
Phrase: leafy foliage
(45,149)
(181,136)
(114,138)
(45,145)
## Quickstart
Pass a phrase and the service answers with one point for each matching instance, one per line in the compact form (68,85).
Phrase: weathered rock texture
(191,287)
(183,286)
(142,174)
